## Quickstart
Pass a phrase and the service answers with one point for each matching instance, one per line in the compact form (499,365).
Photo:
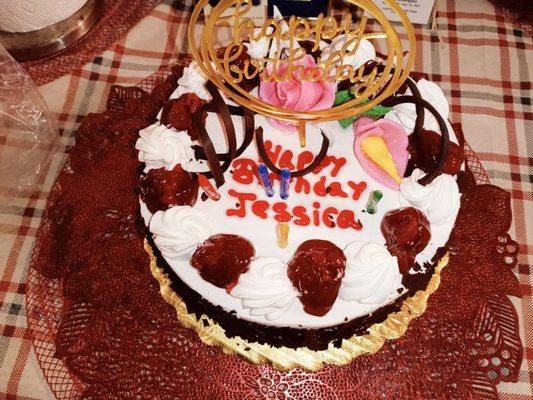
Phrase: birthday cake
(299,246)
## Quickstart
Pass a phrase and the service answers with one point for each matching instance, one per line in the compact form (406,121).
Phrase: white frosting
(162,147)
(261,233)
(265,289)
(259,48)
(193,81)
(178,231)
(30,15)
(405,114)
(364,53)
(440,200)
(372,273)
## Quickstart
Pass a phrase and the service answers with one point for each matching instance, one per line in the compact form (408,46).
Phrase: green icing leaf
(342,96)
(346,122)
(377,111)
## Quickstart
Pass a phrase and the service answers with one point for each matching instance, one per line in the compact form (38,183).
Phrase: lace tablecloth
(478,58)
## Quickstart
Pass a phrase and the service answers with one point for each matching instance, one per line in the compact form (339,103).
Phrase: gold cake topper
(369,87)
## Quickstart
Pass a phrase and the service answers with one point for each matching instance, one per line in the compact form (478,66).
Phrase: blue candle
(265,180)
(284,185)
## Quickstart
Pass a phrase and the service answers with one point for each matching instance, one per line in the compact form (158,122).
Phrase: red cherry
(316,270)
(222,258)
(178,113)
(161,189)
(407,233)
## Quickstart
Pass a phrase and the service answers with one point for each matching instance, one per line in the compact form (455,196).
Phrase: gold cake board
(283,358)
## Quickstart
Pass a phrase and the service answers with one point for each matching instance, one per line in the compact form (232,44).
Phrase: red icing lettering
(335,190)
(338,163)
(286,160)
(346,219)
(304,159)
(302,218)
(358,189)
(281,212)
(274,179)
(244,171)
(327,217)
(240,211)
(316,214)
(260,208)
(272,154)
(320,187)
(302,185)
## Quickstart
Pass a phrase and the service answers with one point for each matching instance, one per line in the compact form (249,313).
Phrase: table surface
(482,61)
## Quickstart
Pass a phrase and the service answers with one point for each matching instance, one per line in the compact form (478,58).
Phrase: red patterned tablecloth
(483,62)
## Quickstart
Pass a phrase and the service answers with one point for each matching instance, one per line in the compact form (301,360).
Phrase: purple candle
(284,185)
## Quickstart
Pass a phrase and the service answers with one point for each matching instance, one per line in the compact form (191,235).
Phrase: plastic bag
(28,134)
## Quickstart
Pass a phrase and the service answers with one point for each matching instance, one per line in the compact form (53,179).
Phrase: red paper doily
(102,330)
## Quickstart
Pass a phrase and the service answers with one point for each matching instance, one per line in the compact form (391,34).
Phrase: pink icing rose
(394,136)
(295,94)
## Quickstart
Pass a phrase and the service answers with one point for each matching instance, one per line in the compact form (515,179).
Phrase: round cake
(291,246)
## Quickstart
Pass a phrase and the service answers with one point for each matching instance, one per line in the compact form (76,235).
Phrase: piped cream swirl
(193,81)
(364,52)
(265,289)
(440,200)
(372,274)
(405,114)
(163,147)
(178,231)
(259,48)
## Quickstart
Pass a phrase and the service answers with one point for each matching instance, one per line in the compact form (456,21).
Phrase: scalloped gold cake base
(283,358)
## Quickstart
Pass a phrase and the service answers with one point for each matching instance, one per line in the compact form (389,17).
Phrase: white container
(418,11)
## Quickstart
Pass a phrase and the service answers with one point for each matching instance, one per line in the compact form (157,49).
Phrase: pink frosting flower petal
(395,138)
(296,94)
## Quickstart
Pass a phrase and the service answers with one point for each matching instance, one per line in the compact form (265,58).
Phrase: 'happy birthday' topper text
(289,32)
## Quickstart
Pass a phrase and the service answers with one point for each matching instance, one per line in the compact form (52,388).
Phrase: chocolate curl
(209,150)
(420,113)
(296,174)
(445,136)
(209,153)
(249,126)
(223,110)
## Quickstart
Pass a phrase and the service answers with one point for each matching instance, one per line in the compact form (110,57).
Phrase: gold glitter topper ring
(370,87)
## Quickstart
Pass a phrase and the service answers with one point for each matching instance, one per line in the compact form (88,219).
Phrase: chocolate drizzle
(295,174)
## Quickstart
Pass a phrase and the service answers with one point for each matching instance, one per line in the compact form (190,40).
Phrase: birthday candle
(373,200)
(284,185)
(208,188)
(265,180)
(282,232)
